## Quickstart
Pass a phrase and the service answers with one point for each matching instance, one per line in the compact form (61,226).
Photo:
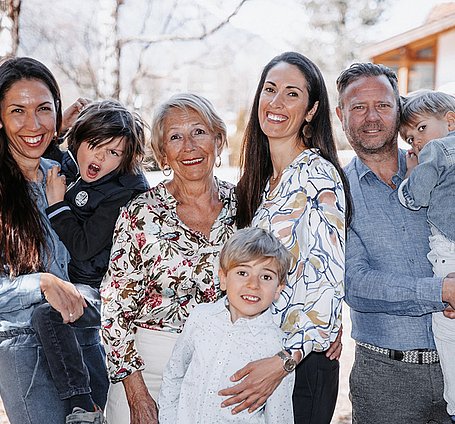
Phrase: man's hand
(260,379)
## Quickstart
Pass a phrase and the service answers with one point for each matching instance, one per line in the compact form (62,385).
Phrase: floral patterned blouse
(306,212)
(159,270)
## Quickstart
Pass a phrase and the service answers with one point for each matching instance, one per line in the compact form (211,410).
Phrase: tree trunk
(109,73)
(9,27)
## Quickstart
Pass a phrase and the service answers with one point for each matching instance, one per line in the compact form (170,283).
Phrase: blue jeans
(61,347)
(26,386)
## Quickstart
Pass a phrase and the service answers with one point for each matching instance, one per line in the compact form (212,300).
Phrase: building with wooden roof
(423,57)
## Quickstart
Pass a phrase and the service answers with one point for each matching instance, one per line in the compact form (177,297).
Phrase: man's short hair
(249,244)
(366,69)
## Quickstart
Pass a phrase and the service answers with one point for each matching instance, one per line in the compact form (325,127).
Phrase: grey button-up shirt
(389,283)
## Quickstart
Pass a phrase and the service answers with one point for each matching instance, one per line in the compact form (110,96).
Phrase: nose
(100,154)
(372,114)
(253,282)
(276,100)
(417,143)
(32,121)
(188,143)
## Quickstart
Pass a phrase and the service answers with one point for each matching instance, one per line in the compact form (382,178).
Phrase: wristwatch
(289,363)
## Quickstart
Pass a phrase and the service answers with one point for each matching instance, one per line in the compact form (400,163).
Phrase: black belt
(417,356)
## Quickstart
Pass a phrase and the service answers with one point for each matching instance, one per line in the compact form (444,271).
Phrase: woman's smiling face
(283,103)
(28,116)
(189,146)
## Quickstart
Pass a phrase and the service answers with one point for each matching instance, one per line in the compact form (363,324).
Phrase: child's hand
(55,186)
(71,113)
(411,161)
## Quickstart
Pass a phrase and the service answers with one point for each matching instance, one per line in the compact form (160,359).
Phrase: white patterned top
(306,212)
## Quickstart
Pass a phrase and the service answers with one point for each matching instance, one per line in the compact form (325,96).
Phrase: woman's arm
(122,290)
(63,297)
(143,407)
(26,290)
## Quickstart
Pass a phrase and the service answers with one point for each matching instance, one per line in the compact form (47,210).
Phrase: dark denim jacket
(432,184)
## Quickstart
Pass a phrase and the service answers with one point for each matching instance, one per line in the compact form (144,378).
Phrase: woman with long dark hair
(292,184)
(33,261)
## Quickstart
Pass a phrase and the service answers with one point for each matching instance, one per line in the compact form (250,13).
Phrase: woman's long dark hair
(255,161)
(22,235)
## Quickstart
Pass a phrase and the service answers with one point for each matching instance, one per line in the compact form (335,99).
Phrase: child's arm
(55,186)
(85,240)
(415,191)
(174,373)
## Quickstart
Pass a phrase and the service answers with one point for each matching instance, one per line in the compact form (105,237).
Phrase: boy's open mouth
(93,170)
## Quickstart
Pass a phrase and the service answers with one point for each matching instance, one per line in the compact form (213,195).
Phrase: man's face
(369,115)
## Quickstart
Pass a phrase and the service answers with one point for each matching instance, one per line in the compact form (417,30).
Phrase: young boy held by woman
(100,172)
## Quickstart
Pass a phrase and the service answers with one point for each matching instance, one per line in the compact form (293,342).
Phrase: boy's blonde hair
(249,244)
(424,102)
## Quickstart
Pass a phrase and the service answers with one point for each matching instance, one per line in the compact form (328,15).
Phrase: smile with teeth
(250,298)
(33,140)
(277,118)
(192,161)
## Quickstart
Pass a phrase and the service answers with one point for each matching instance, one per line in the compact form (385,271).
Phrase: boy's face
(251,287)
(94,163)
(427,128)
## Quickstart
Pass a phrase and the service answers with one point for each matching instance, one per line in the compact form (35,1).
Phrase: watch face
(289,365)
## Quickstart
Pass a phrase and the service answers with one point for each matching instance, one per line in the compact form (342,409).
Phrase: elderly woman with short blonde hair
(165,255)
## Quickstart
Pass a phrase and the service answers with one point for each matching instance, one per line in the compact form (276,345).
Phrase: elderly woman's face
(190,148)
(283,104)
(28,116)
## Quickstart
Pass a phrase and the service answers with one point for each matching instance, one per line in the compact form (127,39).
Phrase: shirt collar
(363,169)
(255,325)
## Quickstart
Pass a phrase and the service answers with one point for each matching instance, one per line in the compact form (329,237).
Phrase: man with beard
(396,377)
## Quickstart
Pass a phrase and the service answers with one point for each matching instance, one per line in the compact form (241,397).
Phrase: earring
(166,170)
(218,161)
(307,131)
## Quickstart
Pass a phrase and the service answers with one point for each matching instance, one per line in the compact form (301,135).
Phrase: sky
(405,15)
(270,19)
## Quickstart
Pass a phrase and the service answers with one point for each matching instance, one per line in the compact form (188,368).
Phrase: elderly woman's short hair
(184,102)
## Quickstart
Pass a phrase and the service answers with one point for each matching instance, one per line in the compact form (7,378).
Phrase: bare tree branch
(204,34)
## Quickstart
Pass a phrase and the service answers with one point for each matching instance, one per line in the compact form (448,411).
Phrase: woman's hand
(62,296)
(260,379)
(334,351)
(143,408)
(71,113)
(55,186)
